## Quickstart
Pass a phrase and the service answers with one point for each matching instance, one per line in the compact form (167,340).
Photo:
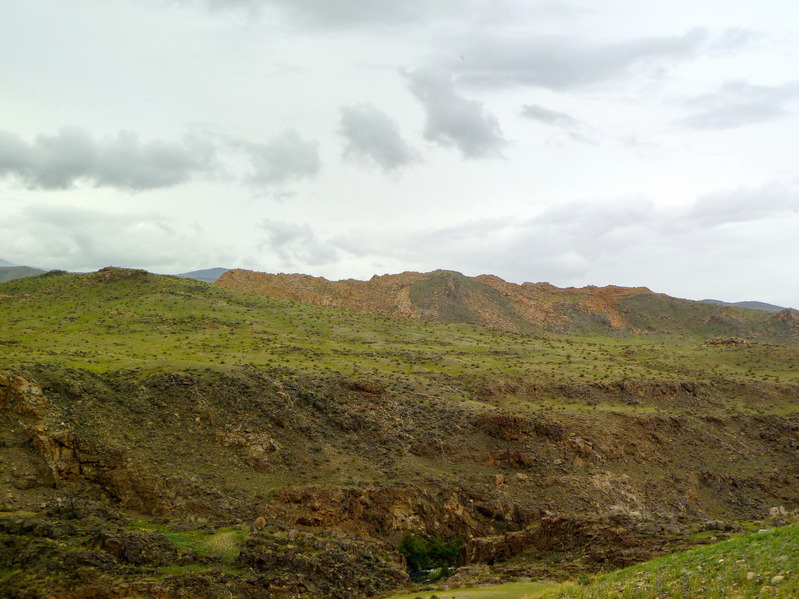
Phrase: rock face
(446,296)
(325,467)
(615,541)
(21,397)
(329,565)
(388,512)
(487,300)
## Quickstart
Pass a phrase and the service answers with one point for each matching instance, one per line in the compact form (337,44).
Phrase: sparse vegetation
(201,409)
(764,564)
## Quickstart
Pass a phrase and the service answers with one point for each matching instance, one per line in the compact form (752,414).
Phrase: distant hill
(6,263)
(487,300)
(750,305)
(208,275)
(10,273)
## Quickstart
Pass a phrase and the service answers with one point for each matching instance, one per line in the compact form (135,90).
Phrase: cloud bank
(81,239)
(70,156)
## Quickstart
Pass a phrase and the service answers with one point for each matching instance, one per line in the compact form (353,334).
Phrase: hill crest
(487,300)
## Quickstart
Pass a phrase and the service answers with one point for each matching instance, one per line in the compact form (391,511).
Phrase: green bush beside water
(423,553)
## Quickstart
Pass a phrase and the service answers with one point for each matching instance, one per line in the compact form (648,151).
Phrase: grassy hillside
(198,408)
(765,564)
(116,319)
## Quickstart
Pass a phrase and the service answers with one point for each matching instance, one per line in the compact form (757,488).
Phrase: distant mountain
(208,275)
(487,300)
(6,263)
(750,305)
(10,273)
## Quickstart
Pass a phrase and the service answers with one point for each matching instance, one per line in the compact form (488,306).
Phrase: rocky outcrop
(300,563)
(445,296)
(617,540)
(388,512)
(21,397)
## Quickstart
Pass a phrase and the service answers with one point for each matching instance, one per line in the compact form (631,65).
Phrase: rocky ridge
(487,300)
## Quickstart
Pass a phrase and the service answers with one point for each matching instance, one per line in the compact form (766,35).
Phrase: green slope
(118,318)
(764,564)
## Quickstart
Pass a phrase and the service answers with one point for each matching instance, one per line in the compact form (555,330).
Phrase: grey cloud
(560,62)
(59,161)
(452,119)
(285,157)
(373,137)
(295,244)
(740,103)
(574,128)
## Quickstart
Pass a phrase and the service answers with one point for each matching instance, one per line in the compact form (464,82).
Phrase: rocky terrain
(487,300)
(140,458)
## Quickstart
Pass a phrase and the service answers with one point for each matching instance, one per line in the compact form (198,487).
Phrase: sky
(580,143)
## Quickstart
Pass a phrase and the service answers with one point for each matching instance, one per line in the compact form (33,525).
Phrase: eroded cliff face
(487,300)
(447,297)
(330,452)
(615,478)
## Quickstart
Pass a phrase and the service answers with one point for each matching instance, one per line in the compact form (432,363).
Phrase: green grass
(511,590)
(152,323)
(764,564)
(224,542)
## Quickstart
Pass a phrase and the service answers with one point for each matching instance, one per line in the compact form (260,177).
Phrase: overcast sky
(618,142)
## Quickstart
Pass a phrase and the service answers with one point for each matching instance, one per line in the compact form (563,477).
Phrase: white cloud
(625,241)
(740,103)
(295,245)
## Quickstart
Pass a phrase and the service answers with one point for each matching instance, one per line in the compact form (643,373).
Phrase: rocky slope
(325,456)
(487,300)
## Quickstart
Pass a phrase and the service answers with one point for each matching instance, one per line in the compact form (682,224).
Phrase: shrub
(422,553)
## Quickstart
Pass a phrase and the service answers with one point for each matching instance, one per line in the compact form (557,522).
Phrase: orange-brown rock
(446,296)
